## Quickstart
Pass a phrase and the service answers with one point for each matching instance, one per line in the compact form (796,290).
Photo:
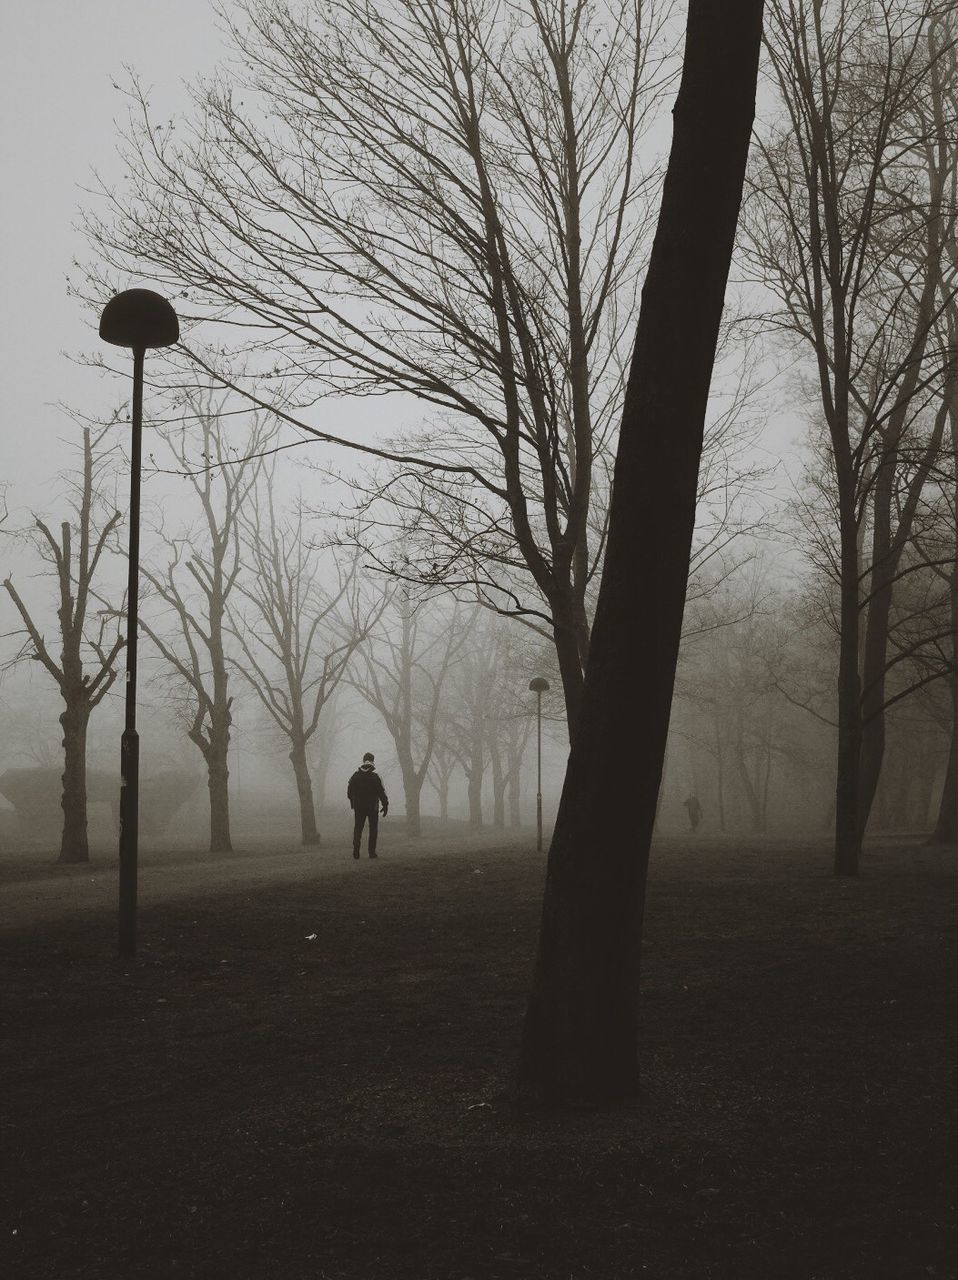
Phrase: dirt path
(33,888)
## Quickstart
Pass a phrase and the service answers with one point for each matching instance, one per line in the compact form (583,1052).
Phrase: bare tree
(75,558)
(444,199)
(298,636)
(853,203)
(442,766)
(189,620)
(473,715)
(580,1038)
(404,665)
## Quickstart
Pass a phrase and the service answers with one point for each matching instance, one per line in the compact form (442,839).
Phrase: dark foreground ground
(301,1074)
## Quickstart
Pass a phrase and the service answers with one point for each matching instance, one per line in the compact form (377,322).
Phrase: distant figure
(365,794)
(694,811)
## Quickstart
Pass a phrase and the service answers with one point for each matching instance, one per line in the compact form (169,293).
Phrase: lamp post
(136,318)
(539,685)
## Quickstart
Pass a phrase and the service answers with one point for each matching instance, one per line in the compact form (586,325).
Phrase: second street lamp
(136,318)
(539,685)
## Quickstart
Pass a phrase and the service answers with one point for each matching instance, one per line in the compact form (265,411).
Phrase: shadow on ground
(301,1075)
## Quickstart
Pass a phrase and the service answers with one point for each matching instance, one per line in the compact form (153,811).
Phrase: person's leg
(373,831)
(358,819)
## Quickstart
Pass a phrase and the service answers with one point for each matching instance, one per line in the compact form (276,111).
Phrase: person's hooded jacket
(366,790)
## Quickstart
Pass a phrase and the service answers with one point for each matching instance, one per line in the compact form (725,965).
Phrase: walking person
(366,793)
(694,810)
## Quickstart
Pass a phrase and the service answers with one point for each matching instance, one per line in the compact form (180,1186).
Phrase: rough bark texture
(304,790)
(74,844)
(218,781)
(580,1034)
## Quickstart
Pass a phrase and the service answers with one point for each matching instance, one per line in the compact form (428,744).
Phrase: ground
(304,1073)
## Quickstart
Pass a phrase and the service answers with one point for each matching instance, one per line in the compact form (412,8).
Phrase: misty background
(753,722)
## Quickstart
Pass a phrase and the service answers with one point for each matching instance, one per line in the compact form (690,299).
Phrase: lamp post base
(129,819)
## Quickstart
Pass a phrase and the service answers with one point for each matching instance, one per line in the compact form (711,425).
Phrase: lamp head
(139,318)
(539,684)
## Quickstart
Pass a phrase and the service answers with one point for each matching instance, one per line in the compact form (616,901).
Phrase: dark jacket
(366,790)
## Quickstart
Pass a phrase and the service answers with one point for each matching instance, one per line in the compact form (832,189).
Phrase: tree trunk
(304,789)
(322,779)
(749,790)
(848,836)
(924,786)
(475,798)
(414,810)
(946,828)
(518,738)
(217,780)
(412,791)
(566,640)
(580,1034)
(513,794)
(499,779)
(74,842)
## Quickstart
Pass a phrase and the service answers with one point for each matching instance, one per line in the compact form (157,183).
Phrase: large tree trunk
(218,777)
(217,770)
(567,644)
(74,842)
(304,790)
(580,1033)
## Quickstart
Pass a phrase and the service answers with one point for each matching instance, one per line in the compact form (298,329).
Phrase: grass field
(302,1074)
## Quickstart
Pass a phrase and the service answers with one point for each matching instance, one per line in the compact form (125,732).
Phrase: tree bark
(304,790)
(848,836)
(218,777)
(566,639)
(499,779)
(218,783)
(412,780)
(580,1034)
(475,796)
(74,842)
(414,807)
(946,827)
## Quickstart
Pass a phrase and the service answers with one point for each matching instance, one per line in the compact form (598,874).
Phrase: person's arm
(383,798)
(349,794)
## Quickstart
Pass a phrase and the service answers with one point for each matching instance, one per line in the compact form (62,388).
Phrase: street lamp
(137,318)
(539,685)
